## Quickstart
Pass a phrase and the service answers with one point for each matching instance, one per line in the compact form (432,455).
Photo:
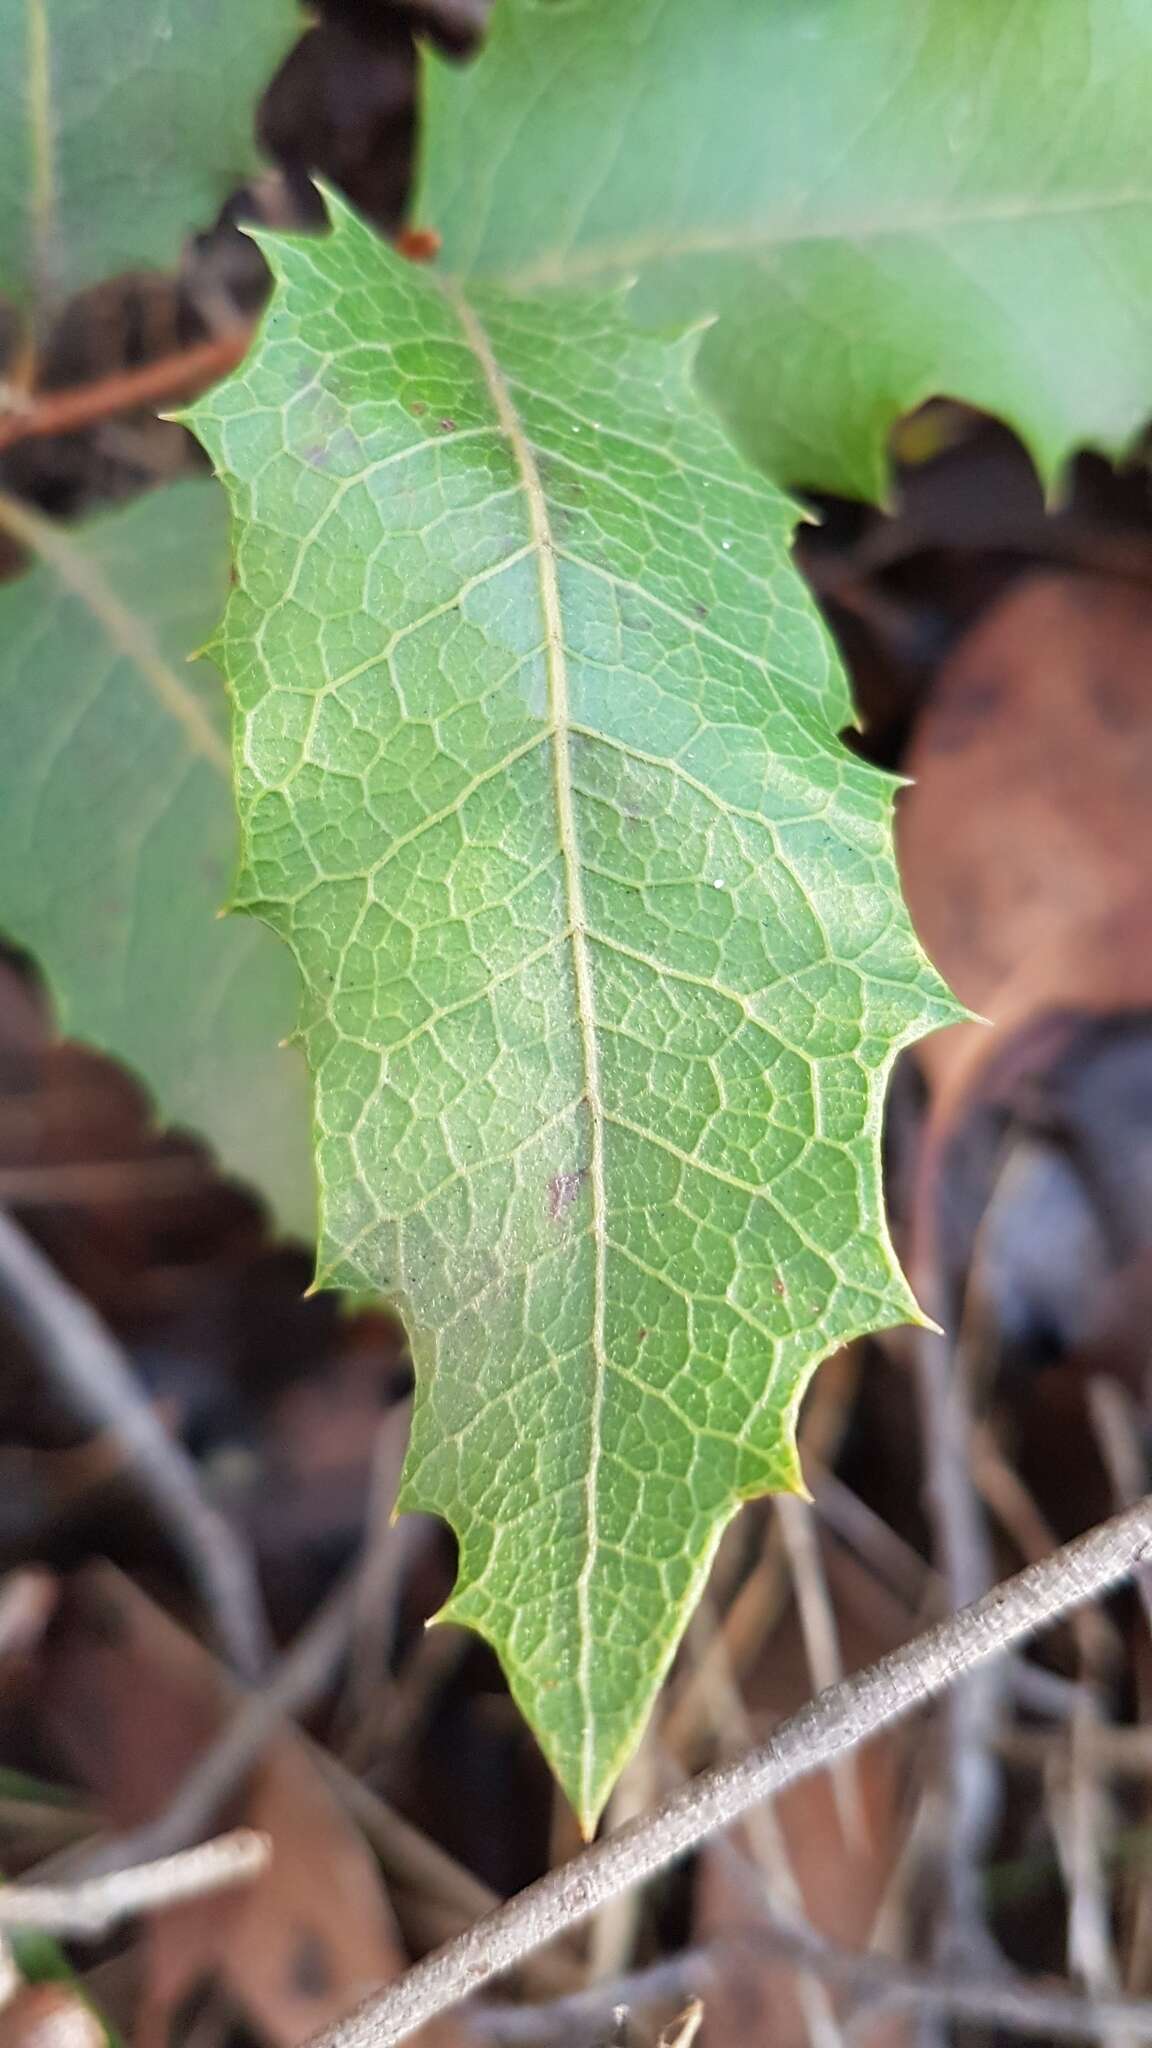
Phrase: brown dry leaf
(1025,846)
(1026,841)
(133,1701)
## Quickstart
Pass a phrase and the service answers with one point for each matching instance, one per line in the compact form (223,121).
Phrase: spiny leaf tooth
(600,930)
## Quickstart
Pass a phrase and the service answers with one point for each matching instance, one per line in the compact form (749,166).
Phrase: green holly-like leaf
(117,832)
(124,124)
(881,199)
(604,955)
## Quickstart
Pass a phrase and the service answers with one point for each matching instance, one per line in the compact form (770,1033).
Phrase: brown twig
(99,1903)
(831,1725)
(183,374)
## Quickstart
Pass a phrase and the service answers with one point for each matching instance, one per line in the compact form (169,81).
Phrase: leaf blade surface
(879,201)
(124,125)
(603,954)
(117,831)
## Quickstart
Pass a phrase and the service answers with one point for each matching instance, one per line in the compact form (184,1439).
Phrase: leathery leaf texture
(124,125)
(875,201)
(117,831)
(604,954)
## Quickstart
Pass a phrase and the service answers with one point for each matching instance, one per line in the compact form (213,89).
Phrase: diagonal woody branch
(832,1724)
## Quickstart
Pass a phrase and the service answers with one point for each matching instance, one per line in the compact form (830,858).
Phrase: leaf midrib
(122,629)
(560,734)
(598,260)
(41,148)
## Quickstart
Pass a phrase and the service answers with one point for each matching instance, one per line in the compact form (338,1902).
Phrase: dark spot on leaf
(563,1189)
(778,1286)
(448,426)
(701,610)
(417,406)
(311,1971)
(640,1336)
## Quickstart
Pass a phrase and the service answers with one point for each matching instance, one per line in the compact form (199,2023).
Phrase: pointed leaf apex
(599,928)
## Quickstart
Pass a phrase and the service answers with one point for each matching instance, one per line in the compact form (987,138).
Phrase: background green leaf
(881,199)
(117,832)
(604,955)
(124,125)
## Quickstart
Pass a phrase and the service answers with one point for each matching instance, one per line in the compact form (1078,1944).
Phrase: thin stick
(892,1561)
(615,1929)
(1084,1830)
(301,1676)
(1014,2004)
(568,2022)
(821,1638)
(423,1875)
(383,1568)
(182,374)
(769,1856)
(410,1859)
(1118,1433)
(972,1711)
(27,1597)
(85,1362)
(680,2033)
(831,1725)
(99,1903)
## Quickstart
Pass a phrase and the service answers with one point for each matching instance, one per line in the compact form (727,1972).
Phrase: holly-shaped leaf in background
(603,949)
(880,199)
(124,125)
(118,833)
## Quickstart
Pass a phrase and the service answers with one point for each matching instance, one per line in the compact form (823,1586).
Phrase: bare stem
(835,1722)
